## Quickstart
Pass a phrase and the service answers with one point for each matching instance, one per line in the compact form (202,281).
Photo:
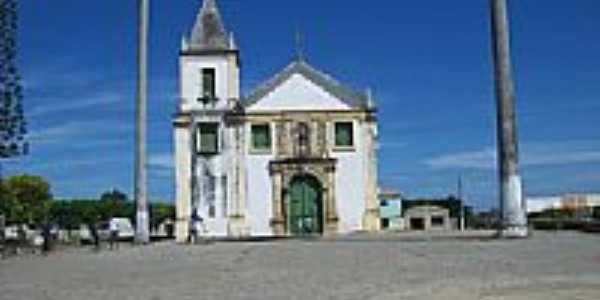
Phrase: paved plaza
(547,266)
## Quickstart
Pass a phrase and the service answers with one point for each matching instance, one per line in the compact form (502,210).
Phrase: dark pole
(461,221)
(142,232)
(512,207)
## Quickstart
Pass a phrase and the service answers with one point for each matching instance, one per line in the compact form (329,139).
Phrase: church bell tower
(209,89)
(209,63)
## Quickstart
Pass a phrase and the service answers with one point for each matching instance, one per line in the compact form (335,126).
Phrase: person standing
(93,228)
(194,227)
(113,226)
(47,236)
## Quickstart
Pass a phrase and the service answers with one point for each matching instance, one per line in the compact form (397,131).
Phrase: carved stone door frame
(284,171)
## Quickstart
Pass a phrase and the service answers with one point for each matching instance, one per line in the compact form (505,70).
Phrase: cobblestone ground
(547,266)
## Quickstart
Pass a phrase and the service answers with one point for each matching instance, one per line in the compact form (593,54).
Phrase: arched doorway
(305,215)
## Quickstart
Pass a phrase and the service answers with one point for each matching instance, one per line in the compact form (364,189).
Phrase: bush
(557,224)
(596,213)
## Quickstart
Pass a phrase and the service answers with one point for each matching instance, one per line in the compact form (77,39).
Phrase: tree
(27,199)
(12,122)
(113,204)
(114,195)
(160,212)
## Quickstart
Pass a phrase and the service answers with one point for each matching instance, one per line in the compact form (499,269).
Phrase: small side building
(390,210)
(428,218)
(435,214)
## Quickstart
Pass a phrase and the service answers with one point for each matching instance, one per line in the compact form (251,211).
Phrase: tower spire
(209,32)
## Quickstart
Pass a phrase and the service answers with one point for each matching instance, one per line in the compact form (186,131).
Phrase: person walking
(193,238)
(93,227)
(113,226)
(47,236)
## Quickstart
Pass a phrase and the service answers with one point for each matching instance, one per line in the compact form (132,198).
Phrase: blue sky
(428,62)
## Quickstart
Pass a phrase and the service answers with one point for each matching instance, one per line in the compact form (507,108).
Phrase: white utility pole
(513,211)
(142,234)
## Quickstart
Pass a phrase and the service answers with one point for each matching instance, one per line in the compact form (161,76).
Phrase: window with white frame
(261,137)
(209,85)
(344,134)
(208,138)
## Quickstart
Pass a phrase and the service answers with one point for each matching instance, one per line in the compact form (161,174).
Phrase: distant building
(581,205)
(390,210)
(434,214)
(540,204)
(428,218)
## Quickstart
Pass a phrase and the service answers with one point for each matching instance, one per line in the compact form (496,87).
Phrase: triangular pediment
(300,87)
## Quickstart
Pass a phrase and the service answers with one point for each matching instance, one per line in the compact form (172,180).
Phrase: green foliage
(113,204)
(70,214)
(114,195)
(12,121)
(160,212)
(557,224)
(553,214)
(25,199)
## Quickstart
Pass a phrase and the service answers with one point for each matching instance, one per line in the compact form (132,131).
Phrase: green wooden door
(305,210)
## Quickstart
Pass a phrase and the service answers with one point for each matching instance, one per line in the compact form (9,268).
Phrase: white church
(296,156)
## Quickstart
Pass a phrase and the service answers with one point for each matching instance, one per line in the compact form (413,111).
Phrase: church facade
(296,156)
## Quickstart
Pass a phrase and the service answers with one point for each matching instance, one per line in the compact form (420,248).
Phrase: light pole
(512,207)
(142,235)
(461,221)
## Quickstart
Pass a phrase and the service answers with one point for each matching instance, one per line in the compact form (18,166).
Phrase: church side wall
(350,187)
(217,167)
(259,195)
(259,189)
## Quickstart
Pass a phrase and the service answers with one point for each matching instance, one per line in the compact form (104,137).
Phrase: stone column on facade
(278,220)
(218,175)
(279,139)
(322,139)
(237,220)
(183,174)
(371,220)
(233,80)
(331,215)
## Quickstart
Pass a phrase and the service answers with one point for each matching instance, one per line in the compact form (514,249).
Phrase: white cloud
(161,160)
(534,154)
(69,105)
(55,134)
(481,159)
(548,158)
(39,165)
(85,131)
(43,77)
(392,145)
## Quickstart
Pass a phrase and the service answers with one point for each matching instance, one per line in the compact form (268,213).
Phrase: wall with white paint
(298,94)
(259,188)
(350,180)
(190,84)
